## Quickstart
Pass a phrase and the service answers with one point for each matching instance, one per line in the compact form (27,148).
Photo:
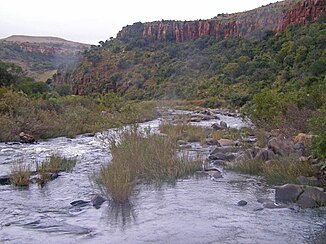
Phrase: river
(195,210)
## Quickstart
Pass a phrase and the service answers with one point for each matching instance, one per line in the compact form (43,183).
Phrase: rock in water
(288,193)
(98,201)
(79,203)
(242,203)
(312,197)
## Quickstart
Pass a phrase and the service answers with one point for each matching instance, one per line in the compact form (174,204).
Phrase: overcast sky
(91,21)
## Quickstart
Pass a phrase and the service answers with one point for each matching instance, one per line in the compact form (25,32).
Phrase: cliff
(252,24)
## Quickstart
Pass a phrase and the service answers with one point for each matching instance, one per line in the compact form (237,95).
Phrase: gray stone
(265,155)
(312,197)
(97,201)
(288,193)
(281,145)
(242,203)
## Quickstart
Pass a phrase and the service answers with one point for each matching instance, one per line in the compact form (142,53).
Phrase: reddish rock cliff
(273,17)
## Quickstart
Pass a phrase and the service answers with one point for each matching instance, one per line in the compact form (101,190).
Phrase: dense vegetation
(279,81)
(36,108)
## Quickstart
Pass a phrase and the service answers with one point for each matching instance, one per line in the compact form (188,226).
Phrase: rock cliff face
(253,24)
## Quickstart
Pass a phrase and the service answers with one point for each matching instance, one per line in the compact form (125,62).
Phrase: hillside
(41,56)
(228,70)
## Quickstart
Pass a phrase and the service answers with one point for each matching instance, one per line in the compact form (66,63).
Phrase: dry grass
(142,158)
(54,165)
(20,174)
(183,131)
(279,171)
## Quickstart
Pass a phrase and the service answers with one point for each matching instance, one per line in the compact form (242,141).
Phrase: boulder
(265,155)
(312,197)
(281,145)
(288,193)
(26,138)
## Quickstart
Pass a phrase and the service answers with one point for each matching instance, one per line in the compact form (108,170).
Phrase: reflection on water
(120,215)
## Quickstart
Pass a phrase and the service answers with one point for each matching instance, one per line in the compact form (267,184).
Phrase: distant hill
(41,56)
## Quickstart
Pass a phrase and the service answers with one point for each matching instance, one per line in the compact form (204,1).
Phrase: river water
(195,210)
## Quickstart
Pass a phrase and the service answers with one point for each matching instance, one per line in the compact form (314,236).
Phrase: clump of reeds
(20,174)
(54,165)
(142,158)
(278,171)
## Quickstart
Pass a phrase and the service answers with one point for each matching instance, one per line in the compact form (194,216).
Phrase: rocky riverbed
(209,208)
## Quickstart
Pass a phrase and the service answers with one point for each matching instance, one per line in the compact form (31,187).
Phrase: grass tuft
(142,158)
(54,165)
(20,174)
(276,172)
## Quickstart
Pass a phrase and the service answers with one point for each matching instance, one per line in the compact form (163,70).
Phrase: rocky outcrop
(254,24)
(303,196)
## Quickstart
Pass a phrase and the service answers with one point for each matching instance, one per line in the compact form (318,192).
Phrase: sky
(91,21)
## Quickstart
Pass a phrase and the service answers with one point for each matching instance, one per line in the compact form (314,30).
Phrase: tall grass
(276,172)
(54,165)
(142,158)
(20,174)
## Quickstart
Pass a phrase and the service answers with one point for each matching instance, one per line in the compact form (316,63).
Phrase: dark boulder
(265,155)
(288,193)
(281,145)
(312,197)
(242,203)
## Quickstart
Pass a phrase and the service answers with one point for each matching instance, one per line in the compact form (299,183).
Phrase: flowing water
(192,211)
